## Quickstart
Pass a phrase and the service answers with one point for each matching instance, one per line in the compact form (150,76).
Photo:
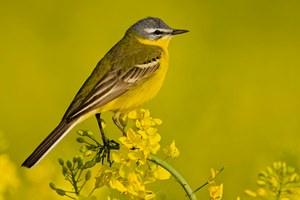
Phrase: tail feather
(48,143)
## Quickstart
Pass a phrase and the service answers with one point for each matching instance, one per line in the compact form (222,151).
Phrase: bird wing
(124,74)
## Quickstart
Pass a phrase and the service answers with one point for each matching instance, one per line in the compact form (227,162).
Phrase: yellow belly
(140,93)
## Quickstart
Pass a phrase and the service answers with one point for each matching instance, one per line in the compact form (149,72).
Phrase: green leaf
(64,170)
(98,159)
(80,140)
(89,164)
(80,163)
(61,161)
(69,164)
(75,158)
(88,175)
(52,186)
(60,192)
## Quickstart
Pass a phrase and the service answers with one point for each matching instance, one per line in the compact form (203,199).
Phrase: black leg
(107,144)
(104,139)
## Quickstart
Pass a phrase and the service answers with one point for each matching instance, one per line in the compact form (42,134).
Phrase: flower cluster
(131,172)
(128,169)
(279,181)
(141,140)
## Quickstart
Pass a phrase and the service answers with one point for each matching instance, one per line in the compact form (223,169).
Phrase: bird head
(150,30)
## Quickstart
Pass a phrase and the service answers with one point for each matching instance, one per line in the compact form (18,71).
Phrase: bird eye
(157,32)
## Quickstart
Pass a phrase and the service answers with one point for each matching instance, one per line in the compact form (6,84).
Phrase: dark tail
(49,142)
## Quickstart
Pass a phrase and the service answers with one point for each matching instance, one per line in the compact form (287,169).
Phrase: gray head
(152,28)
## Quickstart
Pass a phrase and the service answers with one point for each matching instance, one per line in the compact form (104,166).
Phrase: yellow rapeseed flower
(130,172)
(172,151)
(215,192)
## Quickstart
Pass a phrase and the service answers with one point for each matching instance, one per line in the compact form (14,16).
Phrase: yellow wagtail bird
(130,74)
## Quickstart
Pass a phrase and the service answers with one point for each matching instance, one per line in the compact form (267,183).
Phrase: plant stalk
(175,174)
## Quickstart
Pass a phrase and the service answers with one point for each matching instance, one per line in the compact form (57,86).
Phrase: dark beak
(178,31)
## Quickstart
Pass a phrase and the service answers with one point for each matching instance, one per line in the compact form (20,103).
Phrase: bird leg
(107,143)
(104,138)
(116,120)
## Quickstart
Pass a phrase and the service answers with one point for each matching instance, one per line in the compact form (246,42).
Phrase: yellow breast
(145,91)
(142,93)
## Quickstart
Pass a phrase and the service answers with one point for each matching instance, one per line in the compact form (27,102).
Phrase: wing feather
(115,83)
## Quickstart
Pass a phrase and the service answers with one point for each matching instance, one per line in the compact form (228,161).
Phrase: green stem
(278,193)
(175,174)
(70,196)
(74,183)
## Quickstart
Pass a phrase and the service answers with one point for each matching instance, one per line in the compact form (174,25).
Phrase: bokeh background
(231,97)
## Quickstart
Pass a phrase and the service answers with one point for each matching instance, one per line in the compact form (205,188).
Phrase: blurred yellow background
(231,97)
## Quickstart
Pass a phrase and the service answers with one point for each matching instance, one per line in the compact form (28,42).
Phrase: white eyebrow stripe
(151,30)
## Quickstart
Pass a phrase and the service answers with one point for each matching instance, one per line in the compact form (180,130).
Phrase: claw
(106,148)
(108,144)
